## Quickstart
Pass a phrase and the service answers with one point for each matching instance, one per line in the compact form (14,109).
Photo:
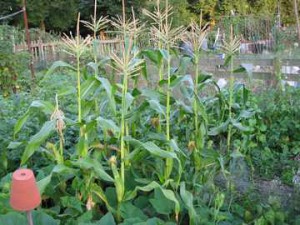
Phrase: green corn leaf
(94,165)
(37,140)
(240,126)
(64,170)
(94,66)
(120,189)
(169,194)
(239,70)
(153,95)
(66,90)
(110,91)
(59,64)
(182,80)
(155,150)
(43,183)
(97,190)
(188,200)
(72,202)
(134,113)
(155,105)
(14,145)
(106,124)
(129,99)
(89,87)
(174,146)
(144,70)
(152,148)
(165,54)
(201,109)
(228,59)
(154,55)
(161,204)
(20,123)
(219,129)
(44,106)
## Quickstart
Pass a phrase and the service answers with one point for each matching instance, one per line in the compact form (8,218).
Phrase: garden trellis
(258,34)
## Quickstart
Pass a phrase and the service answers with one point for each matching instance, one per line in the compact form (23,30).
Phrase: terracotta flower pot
(24,195)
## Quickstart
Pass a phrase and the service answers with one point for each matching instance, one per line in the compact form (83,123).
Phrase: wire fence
(258,34)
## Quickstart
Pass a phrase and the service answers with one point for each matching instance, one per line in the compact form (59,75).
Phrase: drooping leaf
(94,165)
(66,90)
(153,148)
(155,105)
(219,129)
(201,109)
(88,87)
(59,64)
(110,92)
(97,190)
(154,55)
(106,124)
(43,183)
(14,145)
(129,99)
(44,106)
(246,114)
(181,80)
(240,126)
(165,54)
(153,95)
(37,140)
(239,70)
(174,146)
(169,194)
(188,200)
(20,123)
(94,66)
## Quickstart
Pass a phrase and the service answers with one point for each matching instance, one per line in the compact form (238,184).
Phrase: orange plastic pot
(24,194)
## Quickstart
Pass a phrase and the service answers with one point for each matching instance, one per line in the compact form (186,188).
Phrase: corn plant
(165,36)
(230,48)
(76,47)
(127,65)
(196,37)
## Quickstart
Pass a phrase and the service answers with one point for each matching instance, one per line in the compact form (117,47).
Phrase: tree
(60,15)
(50,15)
(7,7)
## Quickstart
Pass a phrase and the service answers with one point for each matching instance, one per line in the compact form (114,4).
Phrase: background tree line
(60,15)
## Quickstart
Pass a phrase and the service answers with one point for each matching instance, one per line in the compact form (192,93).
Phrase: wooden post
(28,41)
(297,17)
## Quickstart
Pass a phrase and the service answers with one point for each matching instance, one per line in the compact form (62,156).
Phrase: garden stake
(29,217)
